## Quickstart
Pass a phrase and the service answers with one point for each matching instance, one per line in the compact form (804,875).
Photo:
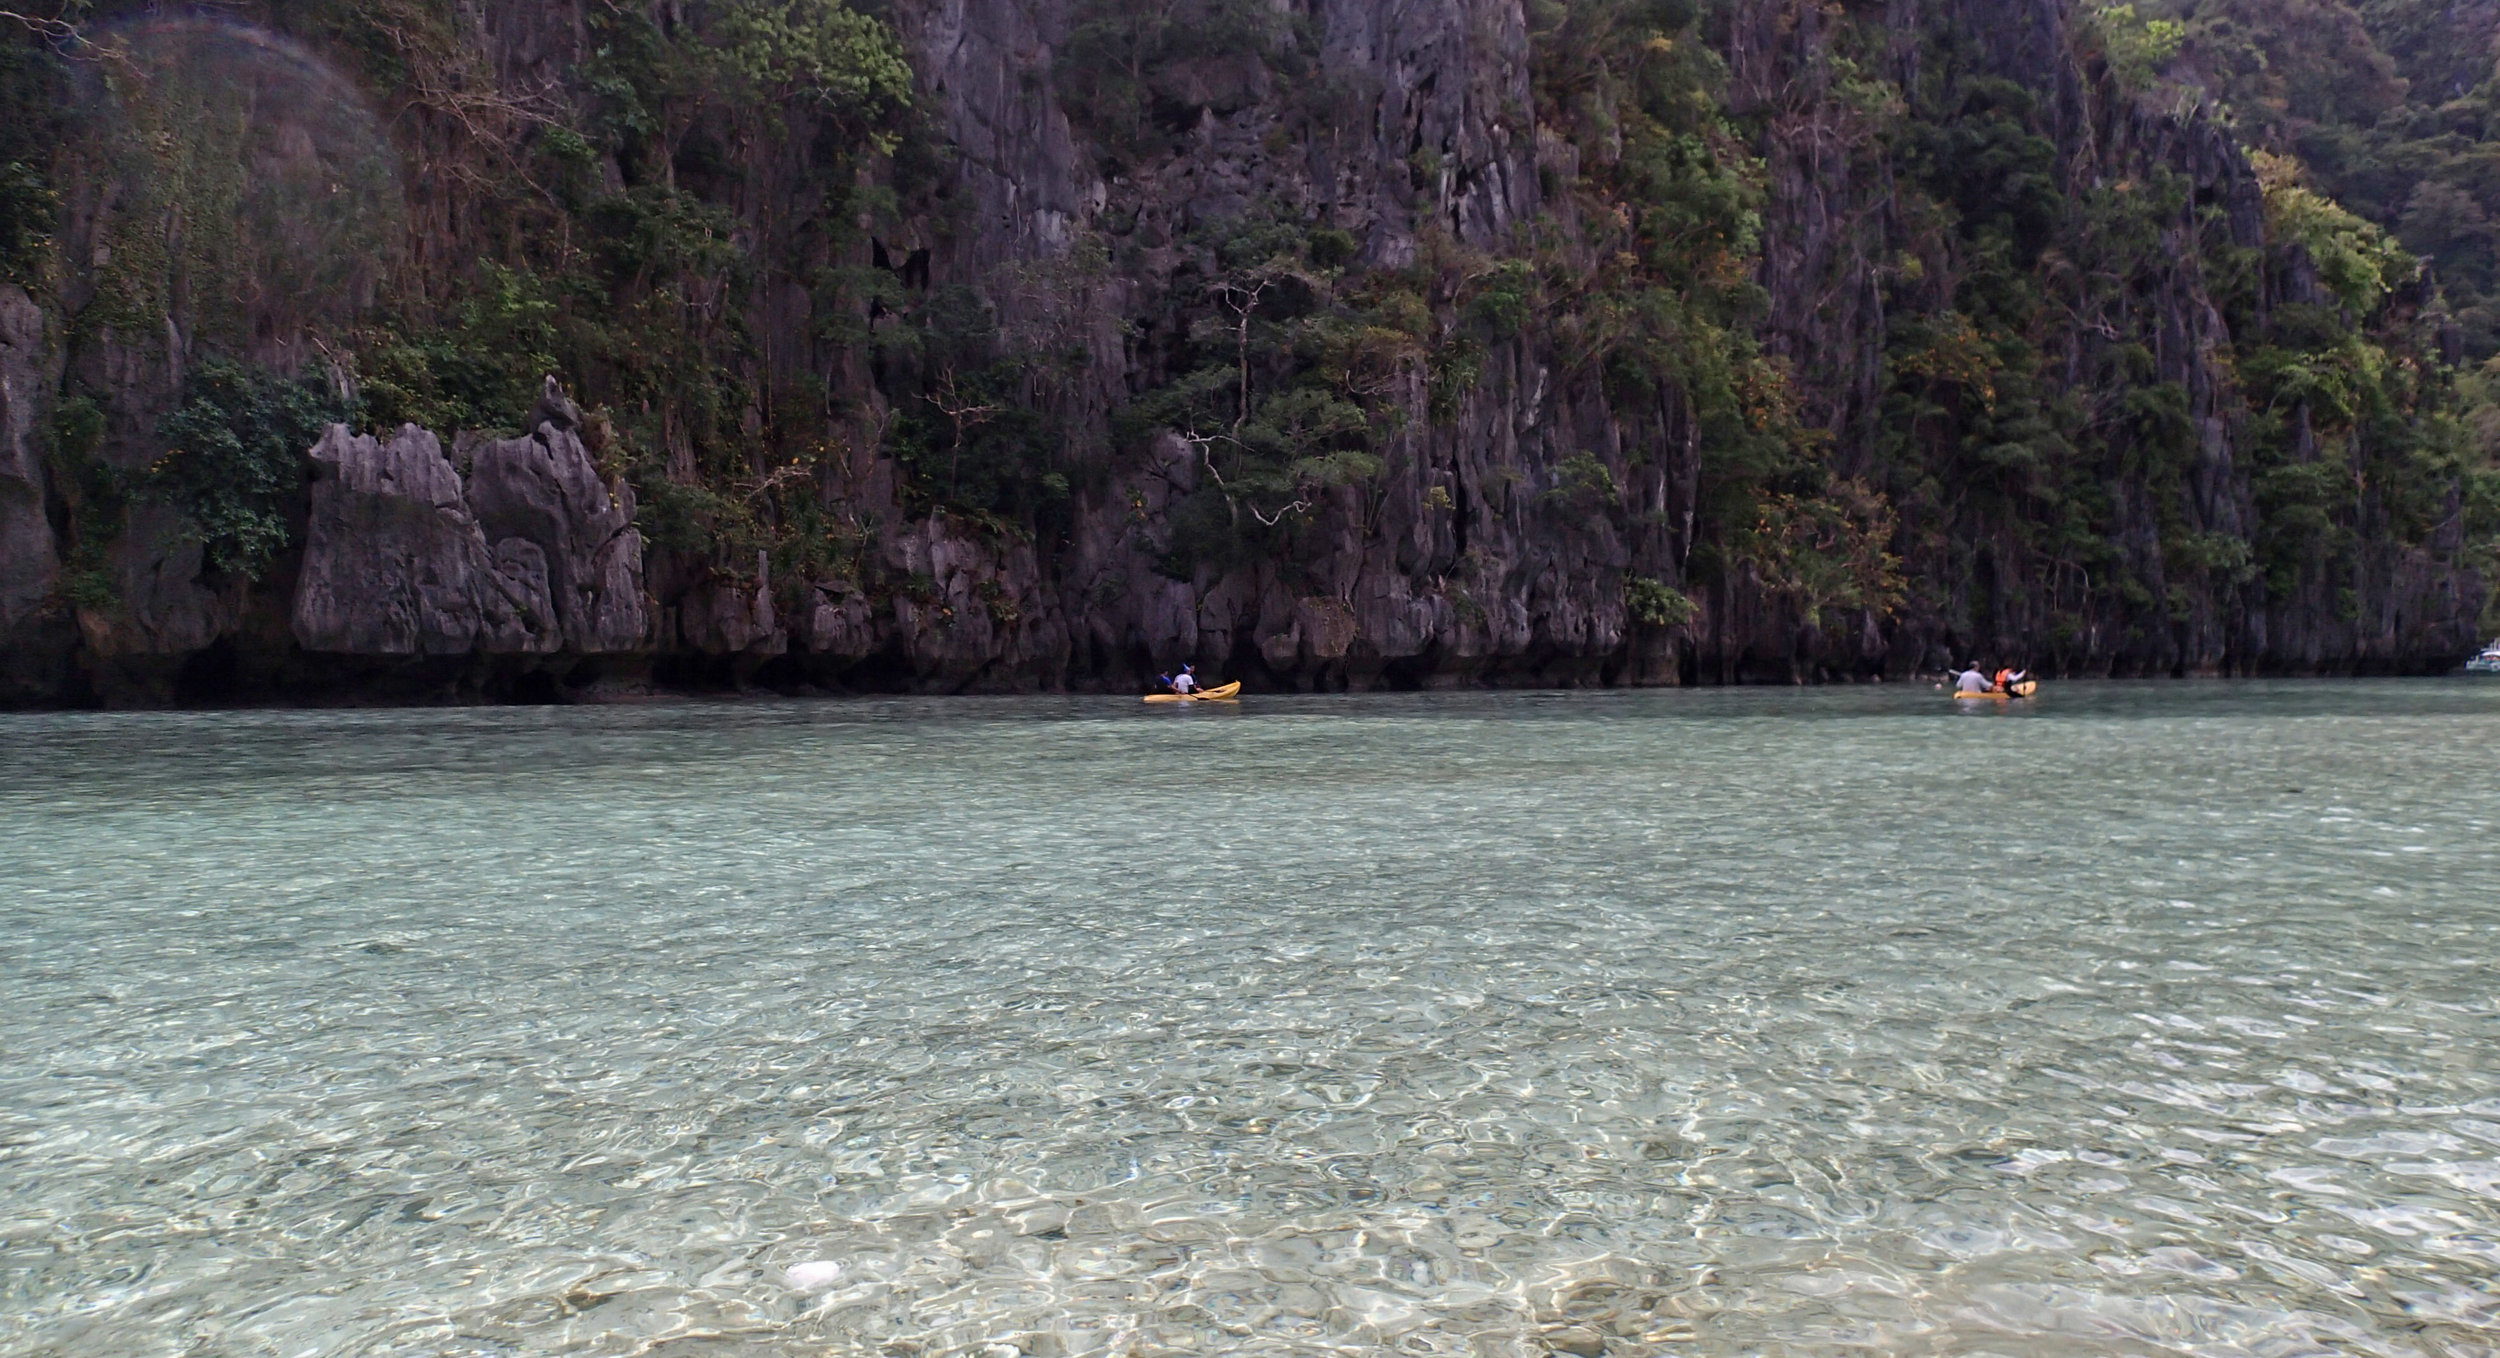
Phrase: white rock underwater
(813,1276)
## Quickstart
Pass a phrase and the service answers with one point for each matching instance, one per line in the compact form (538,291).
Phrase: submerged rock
(813,1276)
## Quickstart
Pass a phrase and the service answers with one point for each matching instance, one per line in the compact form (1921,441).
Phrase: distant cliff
(362,350)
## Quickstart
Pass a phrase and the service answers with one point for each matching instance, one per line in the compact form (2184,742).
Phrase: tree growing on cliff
(234,460)
(1292,389)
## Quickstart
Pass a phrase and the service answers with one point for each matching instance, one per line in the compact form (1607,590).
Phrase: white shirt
(1974,682)
(1183,683)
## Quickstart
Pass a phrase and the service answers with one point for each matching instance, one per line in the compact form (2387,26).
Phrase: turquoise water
(2153,1020)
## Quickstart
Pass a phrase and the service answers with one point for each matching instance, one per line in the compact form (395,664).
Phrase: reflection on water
(2157,1020)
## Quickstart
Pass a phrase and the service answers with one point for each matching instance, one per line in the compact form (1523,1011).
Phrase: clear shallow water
(2158,1020)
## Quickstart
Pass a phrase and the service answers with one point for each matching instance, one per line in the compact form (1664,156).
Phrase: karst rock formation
(1581,481)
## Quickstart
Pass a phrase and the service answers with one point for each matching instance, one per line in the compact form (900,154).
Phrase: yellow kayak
(1228,693)
(2022,690)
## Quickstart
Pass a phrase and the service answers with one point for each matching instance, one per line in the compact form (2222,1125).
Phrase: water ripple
(2157,1021)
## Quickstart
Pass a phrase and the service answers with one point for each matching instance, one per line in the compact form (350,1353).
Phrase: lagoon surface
(2157,1019)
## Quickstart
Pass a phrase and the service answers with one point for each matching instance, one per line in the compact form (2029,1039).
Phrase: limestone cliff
(1339,343)
(529,554)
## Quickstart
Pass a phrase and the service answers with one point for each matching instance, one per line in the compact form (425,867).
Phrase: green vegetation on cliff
(234,460)
(2376,125)
(1662,292)
(2389,105)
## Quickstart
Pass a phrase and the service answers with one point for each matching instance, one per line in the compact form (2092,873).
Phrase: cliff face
(1378,342)
(2175,284)
(1495,578)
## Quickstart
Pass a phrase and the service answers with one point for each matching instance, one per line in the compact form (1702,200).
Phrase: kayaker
(1972,681)
(2006,679)
(1185,682)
